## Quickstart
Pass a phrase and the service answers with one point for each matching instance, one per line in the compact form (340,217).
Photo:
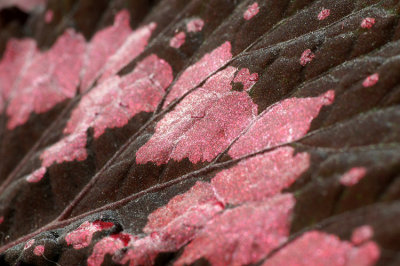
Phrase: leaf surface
(183,132)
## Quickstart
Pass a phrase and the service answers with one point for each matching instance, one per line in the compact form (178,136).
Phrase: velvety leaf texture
(199,132)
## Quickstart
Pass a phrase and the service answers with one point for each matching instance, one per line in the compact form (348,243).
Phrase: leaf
(188,132)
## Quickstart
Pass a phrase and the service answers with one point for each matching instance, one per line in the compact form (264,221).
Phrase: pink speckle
(29,243)
(108,245)
(371,80)
(283,122)
(318,248)
(251,11)
(248,80)
(82,236)
(178,40)
(367,23)
(362,234)
(324,14)
(353,176)
(196,73)
(195,25)
(243,235)
(202,125)
(260,177)
(39,250)
(111,104)
(306,57)
(50,78)
(48,17)
(37,175)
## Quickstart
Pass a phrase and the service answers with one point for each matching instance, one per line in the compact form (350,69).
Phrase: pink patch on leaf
(365,255)
(318,248)
(133,46)
(108,245)
(251,11)
(50,78)
(111,104)
(171,238)
(39,250)
(201,194)
(17,57)
(82,236)
(37,175)
(248,80)
(29,243)
(202,125)
(367,23)
(195,25)
(68,149)
(306,57)
(178,40)
(324,14)
(283,122)
(174,225)
(353,176)
(196,73)
(261,176)
(48,16)
(371,80)
(362,234)
(102,46)
(142,252)
(242,235)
